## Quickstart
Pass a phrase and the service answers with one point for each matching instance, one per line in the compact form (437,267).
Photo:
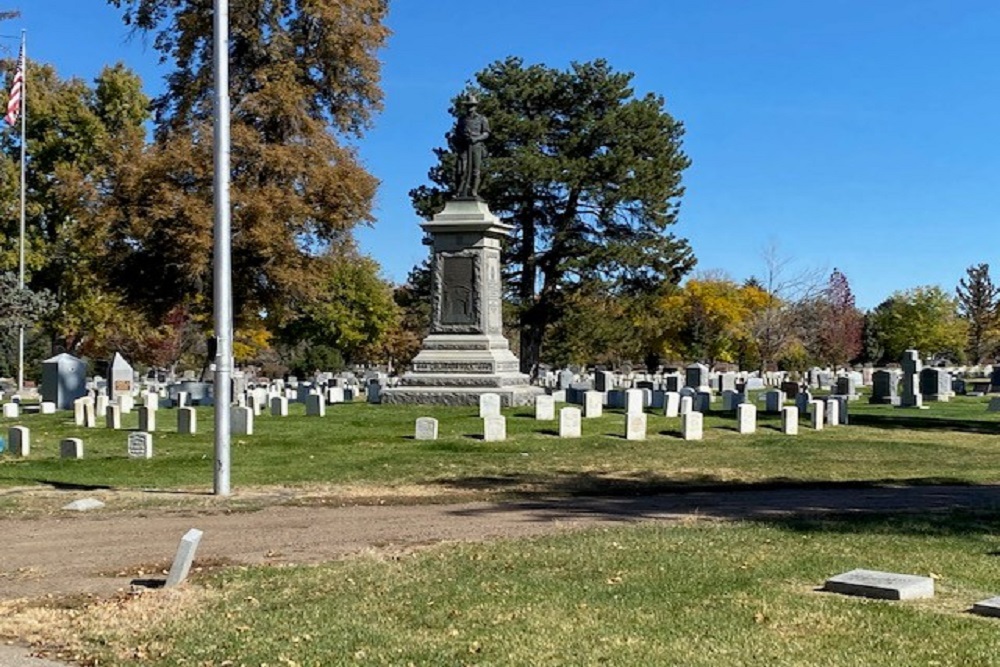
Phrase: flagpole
(20,272)
(222,249)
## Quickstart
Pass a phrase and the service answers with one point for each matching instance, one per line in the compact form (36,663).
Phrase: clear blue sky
(855,134)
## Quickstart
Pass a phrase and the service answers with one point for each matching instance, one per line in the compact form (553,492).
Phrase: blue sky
(857,134)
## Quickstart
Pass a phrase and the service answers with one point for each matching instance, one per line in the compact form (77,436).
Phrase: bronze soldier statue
(471,132)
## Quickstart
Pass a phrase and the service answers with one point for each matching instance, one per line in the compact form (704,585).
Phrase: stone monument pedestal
(466,354)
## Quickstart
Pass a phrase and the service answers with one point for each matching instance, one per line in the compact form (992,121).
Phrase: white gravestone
(686,405)
(569,422)
(11,410)
(746,418)
(593,404)
(671,404)
(692,425)
(140,445)
(113,417)
(147,419)
(279,406)
(881,585)
(126,403)
(71,448)
(489,405)
(79,410)
(635,426)
(101,404)
(315,406)
(19,441)
(816,414)
(633,401)
(790,420)
(494,429)
(48,408)
(832,406)
(545,408)
(184,558)
(151,400)
(187,421)
(241,420)
(426,429)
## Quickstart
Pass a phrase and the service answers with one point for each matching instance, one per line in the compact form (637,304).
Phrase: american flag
(16,90)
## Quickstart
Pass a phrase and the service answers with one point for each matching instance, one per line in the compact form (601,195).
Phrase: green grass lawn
(693,593)
(701,594)
(372,445)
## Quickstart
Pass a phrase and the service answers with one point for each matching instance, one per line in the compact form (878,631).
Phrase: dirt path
(102,551)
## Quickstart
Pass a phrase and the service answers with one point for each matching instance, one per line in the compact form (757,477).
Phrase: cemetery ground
(534,550)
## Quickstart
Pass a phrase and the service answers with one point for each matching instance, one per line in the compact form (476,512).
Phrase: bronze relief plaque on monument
(458,304)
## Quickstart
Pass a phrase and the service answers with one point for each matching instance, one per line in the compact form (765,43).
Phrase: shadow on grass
(924,423)
(911,506)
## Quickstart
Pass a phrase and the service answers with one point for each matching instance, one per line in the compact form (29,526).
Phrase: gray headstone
(19,441)
(140,445)
(71,448)
(882,585)
(315,406)
(426,429)
(241,420)
(187,421)
(184,558)
(279,406)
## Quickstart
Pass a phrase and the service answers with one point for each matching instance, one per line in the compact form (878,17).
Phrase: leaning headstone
(633,401)
(692,425)
(671,404)
(746,418)
(113,417)
(816,414)
(147,419)
(84,505)
(315,406)
(187,421)
(881,585)
(140,445)
(569,423)
(790,420)
(593,404)
(19,441)
(545,408)
(426,429)
(489,405)
(71,448)
(990,607)
(184,558)
(494,428)
(241,420)
(48,408)
(11,410)
(635,426)
(279,406)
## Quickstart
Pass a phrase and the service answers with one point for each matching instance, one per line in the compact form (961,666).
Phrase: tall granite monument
(465,354)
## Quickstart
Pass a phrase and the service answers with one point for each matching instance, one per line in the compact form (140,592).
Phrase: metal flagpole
(23,65)
(222,287)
